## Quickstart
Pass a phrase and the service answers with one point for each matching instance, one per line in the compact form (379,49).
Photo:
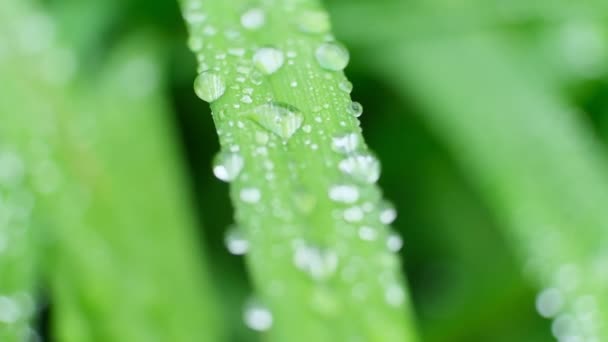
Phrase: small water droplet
(319,263)
(344,193)
(346,86)
(355,109)
(395,295)
(268,59)
(209,86)
(250,195)
(347,143)
(394,242)
(253,19)
(236,241)
(227,166)
(279,118)
(261,137)
(354,214)
(10,312)
(367,233)
(332,56)
(388,213)
(549,302)
(363,167)
(258,317)
(313,21)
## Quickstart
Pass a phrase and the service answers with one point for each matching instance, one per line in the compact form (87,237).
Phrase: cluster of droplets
(575,315)
(278,122)
(16,205)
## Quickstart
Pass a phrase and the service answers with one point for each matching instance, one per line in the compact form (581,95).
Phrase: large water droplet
(317,262)
(279,118)
(209,86)
(250,195)
(332,56)
(258,317)
(268,59)
(253,19)
(236,241)
(347,143)
(363,167)
(313,21)
(227,166)
(344,193)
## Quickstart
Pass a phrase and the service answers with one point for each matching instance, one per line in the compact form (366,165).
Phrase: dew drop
(395,295)
(268,59)
(345,143)
(549,302)
(235,241)
(363,167)
(367,233)
(318,263)
(394,242)
(346,86)
(313,21)
(388,213)
(250,195)
(355,109)
(354,214)
(279,118)
(332,56)
(344,193)
(209,86)
(9,310)
(253,19)
(227,166)
(258,317)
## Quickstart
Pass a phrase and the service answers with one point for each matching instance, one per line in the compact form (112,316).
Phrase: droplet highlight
(227,166)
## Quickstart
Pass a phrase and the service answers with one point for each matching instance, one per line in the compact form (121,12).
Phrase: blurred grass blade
(121,253)
(533,157)
(321,251)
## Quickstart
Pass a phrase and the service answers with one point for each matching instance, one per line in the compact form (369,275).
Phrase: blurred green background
(463,259)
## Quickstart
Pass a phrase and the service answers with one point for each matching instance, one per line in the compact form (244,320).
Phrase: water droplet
(356,109)
(261,137)
(209,86)
(332,56)
(236,241)
(253,19)
(368,233)
(394,242)
(258,317)
(317,262)
(279,118)
(250,195)
(363,167)
(549,302)
(388,213)
(313,21)
(10,311)
(346,86)
(268,59)
(227,166)
(395,295)
(344,193)
(345,143)
(354,214)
